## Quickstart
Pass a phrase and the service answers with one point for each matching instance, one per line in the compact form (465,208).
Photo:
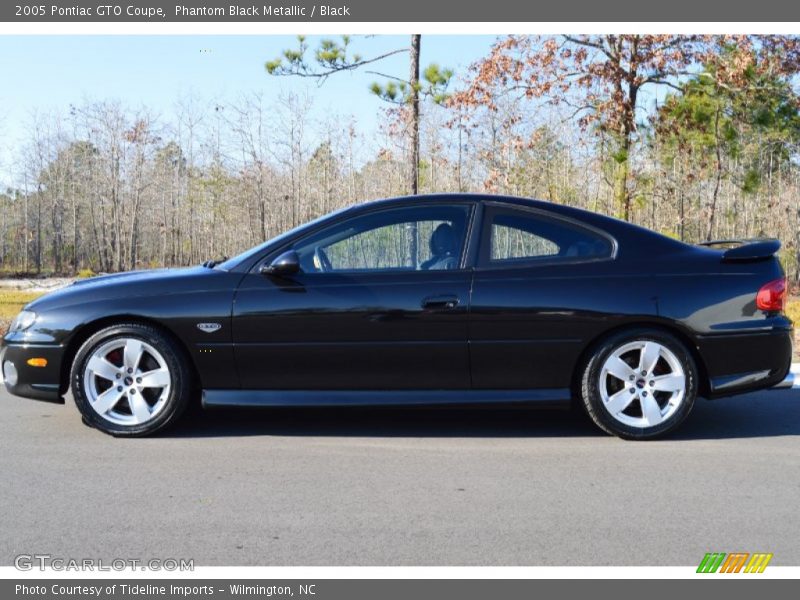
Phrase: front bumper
(22,379)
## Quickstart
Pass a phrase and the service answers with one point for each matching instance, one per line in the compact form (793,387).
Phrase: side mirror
(286,264)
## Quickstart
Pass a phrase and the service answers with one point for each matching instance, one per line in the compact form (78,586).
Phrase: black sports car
(445,299)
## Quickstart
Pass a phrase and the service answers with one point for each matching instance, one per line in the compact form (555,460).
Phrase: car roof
(617,228)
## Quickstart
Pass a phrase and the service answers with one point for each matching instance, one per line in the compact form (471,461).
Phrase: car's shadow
(763,414)
(766,414)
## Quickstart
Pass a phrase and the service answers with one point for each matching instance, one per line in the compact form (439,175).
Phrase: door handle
(446,302)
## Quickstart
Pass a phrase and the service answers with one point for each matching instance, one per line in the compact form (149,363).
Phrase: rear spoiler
(740,250)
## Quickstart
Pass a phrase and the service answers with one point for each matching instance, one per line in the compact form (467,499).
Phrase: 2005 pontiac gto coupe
(446,299)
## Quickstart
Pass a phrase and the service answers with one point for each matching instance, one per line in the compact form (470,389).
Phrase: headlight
(24,320)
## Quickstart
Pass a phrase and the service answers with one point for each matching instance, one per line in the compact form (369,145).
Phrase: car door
(537,297)
(380,303)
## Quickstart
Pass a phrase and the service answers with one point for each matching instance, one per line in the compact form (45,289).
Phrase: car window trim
(483,263)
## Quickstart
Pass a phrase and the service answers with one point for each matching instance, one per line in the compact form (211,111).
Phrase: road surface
(403,487)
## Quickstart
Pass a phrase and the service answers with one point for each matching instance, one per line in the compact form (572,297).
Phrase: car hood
(130,283)
(129,275)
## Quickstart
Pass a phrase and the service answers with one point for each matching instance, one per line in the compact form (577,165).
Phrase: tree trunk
(621,197)
(413,79)
(416,40)
(39,236)
(628,127)
(718,178)
(797,245)
(74,232)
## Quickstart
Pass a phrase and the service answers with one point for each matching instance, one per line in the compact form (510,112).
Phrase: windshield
(247,254)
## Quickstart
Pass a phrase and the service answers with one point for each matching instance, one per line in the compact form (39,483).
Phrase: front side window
(519,237)
(418,238)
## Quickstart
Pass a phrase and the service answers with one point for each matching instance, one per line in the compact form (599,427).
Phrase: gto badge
(209,327)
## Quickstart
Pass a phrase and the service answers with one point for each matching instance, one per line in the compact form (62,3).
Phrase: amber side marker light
(37,362)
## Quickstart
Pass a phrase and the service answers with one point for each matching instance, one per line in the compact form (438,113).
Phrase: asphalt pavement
(403,487)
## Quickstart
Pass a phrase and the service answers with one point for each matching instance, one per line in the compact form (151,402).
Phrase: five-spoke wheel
(639,384)
(127,381)
(130,380)
(642,384)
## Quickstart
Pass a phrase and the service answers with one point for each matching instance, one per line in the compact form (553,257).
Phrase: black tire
(180,391)
(590,384)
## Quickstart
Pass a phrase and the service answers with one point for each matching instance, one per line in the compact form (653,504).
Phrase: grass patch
(11,302)
(793,310)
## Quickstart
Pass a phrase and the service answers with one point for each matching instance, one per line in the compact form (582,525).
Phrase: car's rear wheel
(639,384)
(130,380)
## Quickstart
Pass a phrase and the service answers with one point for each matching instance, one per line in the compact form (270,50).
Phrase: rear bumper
(791,380)
(22,379)
(740,363)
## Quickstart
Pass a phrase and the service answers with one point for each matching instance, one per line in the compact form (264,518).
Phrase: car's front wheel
(130,380)
(639,384)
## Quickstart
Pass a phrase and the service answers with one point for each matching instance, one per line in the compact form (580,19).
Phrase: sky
(52,72)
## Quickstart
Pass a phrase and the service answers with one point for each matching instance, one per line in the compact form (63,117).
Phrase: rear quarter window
(522,237)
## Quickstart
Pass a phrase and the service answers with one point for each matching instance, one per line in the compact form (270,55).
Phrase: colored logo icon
(736,562)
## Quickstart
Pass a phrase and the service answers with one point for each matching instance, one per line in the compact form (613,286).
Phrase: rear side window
(521,237)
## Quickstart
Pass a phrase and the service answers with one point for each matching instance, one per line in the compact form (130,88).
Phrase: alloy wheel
(642,384)
(127,381)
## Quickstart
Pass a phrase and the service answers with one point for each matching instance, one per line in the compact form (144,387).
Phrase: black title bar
(406,10)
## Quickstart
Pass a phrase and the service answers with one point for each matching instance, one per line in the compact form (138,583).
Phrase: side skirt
(545,398)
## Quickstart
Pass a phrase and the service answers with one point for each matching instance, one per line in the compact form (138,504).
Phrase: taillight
(772,296)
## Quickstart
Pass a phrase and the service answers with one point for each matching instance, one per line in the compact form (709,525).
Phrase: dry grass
(793,310)
(11,302)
